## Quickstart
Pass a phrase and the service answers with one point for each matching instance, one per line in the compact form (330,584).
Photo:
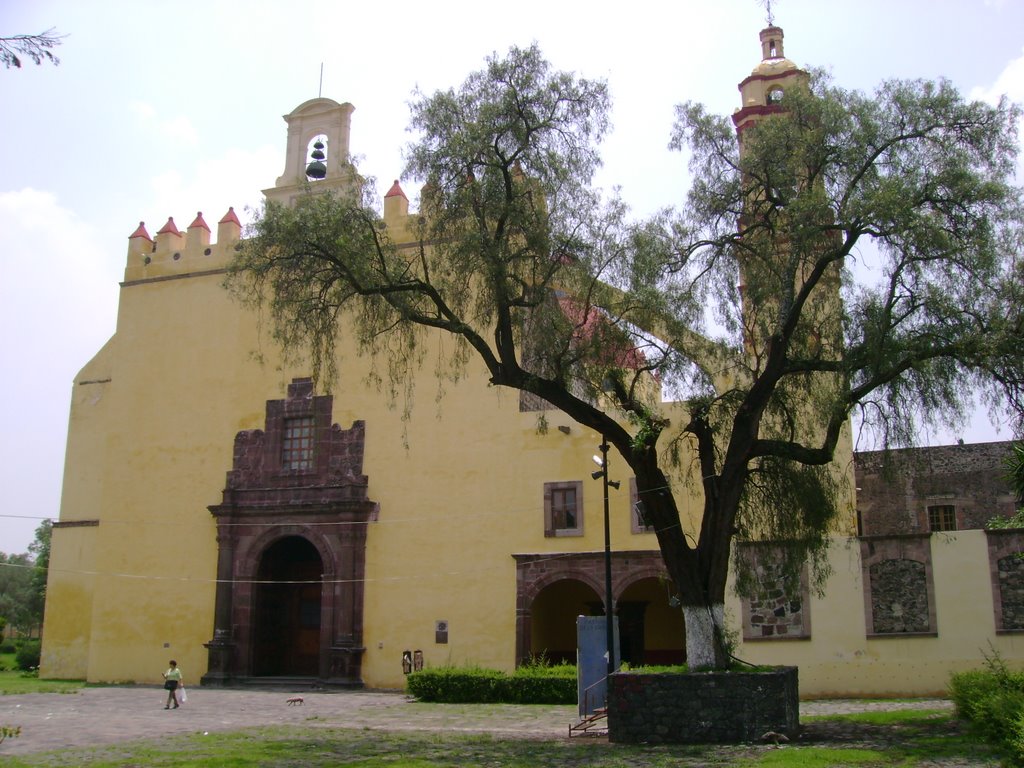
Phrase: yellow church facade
(221,508)
(189,435)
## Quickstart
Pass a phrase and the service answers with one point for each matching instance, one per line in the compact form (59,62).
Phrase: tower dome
(773,60)
(763,91)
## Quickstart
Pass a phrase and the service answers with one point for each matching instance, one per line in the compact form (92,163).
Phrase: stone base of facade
(703,707)
(289,683)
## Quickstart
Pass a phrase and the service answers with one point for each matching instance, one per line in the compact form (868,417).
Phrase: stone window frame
(298,443)
(910,546)
(635,524)
(550,531)
(280,413)
(941,517)
(1003,542)
(750,549)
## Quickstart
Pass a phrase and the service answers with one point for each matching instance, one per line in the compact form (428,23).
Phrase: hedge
(533,684)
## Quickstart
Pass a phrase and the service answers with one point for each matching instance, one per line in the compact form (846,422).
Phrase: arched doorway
(287,600)
(552,589)
(651,631)
(554,613)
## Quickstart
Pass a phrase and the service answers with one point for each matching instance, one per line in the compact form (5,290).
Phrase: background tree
(558,294)
(1014,463)
(1015,472)
(36,47)
(40,551)
(16,590)
(23,582)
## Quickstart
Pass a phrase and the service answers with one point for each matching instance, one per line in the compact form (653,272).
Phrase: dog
(775,739)
(295,700)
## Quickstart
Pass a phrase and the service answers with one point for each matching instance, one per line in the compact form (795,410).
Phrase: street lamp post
(608,610)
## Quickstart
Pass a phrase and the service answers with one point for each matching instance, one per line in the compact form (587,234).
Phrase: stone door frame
(326,504)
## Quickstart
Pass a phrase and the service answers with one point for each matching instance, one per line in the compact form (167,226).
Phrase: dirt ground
(99,716)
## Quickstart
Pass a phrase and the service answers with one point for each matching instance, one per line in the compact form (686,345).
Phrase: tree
(40,550)
(558,294)
(1014,463)
(36,47)
(23,582)
(16,589)
(1015,472)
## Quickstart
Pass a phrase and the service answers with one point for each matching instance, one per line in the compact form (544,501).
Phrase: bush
(992,701)
(28,654)
(537,684)
(455,684)
(531,684)
(969,689)
(8,647)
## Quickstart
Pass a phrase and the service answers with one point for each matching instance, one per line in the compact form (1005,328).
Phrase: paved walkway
(98,716)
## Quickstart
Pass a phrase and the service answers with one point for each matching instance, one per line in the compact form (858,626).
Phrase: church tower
(776,264)
(317,153)
(762,93)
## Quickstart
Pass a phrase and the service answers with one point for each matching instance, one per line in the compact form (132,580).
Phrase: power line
(267,524)
(200,580)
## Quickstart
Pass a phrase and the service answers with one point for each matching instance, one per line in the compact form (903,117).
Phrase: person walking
(172,679)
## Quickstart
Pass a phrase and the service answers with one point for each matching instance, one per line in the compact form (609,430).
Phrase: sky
(162,109)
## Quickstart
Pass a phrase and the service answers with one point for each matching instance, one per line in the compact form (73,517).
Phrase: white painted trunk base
(700,633)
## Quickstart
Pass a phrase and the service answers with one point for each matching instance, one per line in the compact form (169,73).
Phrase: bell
(317,169)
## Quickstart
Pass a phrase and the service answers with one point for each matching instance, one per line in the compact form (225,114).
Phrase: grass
(904,717)
(908,738)
(905,739)
(14,681)
(318,747)
(817,757)
(18,682)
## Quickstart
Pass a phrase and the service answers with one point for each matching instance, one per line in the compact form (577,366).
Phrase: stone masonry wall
(899,592)
(701,708)
(894,490)
(1011,591)
(899,597)
(1006,568)
(772,611)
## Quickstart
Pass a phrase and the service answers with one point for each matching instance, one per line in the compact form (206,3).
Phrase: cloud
(234,178)
(178,128)
(58,303)
(1009,83)
(58,298)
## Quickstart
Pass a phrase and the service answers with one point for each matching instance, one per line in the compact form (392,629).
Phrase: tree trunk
(699,578)
(705,635)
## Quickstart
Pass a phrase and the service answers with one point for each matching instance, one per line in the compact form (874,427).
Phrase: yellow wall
(69,603)
(839,660)
(154,416)
(459,487)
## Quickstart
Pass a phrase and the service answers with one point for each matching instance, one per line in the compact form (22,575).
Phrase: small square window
(297,445)
(942,518)
(563,509)
(638,523)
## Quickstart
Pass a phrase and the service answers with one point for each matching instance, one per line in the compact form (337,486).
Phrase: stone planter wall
(702,707)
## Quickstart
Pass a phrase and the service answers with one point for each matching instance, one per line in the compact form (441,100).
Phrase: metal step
(591,725)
